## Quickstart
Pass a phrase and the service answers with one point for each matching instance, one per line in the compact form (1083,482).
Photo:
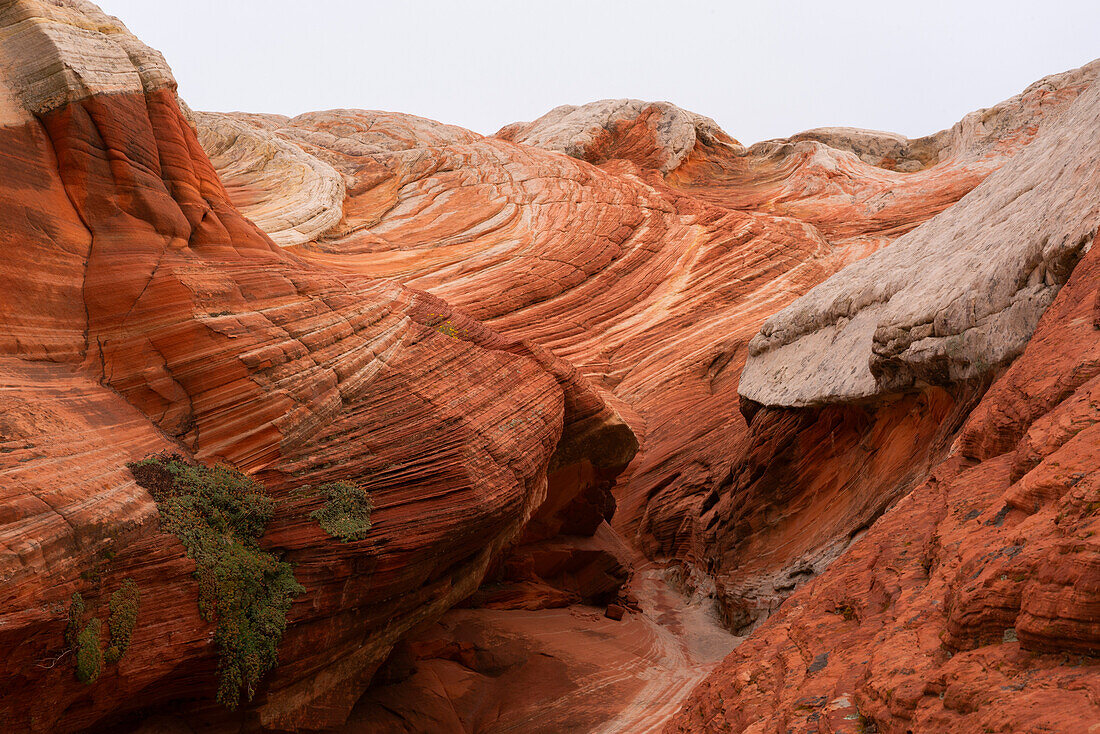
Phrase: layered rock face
(489,335)
(973,604)
(950,301)
(885,358)
(144,314)
(653,271)
(654,135)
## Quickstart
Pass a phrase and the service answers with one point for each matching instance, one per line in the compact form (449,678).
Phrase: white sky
(761,69)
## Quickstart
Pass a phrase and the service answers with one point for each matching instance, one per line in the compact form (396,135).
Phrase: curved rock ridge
(888,150)
(144,313)
(656,135)
(653,285)
(277,172)
(973,604)
(955,298)
(980,132)
(289,194)
(857,203)
(803,481)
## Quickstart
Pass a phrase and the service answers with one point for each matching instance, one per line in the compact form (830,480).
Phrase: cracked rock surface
(955,298)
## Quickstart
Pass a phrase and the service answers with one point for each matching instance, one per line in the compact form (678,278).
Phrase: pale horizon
(760,71)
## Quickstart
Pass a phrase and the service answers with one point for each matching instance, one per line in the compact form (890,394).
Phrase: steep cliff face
(973,604)
(147,314)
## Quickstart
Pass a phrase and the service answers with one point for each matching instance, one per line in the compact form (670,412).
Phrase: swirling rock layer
(653,270)
(148,314)
(654,285)
(487,333)
(970,606)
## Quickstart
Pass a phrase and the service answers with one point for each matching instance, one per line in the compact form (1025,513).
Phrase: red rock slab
(46,247)
(177,324)
(972,604)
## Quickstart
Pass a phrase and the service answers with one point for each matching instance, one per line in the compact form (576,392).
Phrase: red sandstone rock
(973,604)
(551,670)
(641,297)
(614,611)
(154,317)
(615,293)
(642,300)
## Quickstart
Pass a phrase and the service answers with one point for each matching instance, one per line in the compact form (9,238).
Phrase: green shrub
(124,609)
(76,618)
(218,514)
(83,640)
(346,512)
(89,658)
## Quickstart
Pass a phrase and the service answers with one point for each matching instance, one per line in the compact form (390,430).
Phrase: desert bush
(346,512)
(124,609)
(89,658)
(218,514)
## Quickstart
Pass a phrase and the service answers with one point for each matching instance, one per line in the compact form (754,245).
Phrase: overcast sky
(761,69)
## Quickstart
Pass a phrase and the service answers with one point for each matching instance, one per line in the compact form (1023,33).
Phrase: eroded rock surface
(567,669)
(655,135)
(972,604)
(951,300)
(653,270)
(289,194)
(489,333)
(147,314)
(652,285)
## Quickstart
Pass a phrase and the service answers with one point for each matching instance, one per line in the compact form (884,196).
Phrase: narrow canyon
(361,422)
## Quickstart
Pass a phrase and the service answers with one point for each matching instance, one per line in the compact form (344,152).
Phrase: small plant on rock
(346,512)
(218,514)
(846,611)
(124,609)
(76,619)
(89,658)
(83,640)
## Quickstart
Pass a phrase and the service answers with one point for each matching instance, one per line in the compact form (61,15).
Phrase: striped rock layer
(766,347)
(647,247)
(144,313)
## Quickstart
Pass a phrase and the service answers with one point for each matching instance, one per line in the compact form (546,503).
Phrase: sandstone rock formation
(951,300)
(147,314)
(528,347)
(654,135)
(289,194)
(548,670)
(642,301)
(973,604)
(963,607)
